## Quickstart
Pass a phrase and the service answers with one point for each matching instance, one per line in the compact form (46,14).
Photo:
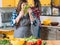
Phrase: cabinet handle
(48,4)
(9,5)
(44,4)
(49,29)
(58,30)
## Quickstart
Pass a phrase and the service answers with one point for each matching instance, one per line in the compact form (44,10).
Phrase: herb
(4,42)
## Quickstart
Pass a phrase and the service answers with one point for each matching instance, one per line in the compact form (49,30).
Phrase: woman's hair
(18,9)
(37,3)
(38,6)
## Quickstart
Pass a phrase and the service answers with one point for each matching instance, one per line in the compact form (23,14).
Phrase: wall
(0,13)
(0,3)
(0,20)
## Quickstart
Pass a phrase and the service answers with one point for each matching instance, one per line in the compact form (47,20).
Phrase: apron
(24,28)
(35,29)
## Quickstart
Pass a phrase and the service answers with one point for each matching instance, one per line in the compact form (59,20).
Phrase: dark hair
(18,9)
(37,3)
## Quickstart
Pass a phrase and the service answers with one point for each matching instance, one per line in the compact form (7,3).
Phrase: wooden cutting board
(53,42)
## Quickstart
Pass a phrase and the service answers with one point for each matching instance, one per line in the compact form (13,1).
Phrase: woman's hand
(30,15)
(30,11)
(21,14)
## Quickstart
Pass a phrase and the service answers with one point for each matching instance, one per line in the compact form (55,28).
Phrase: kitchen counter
(56,27)
(6,29)
(49,42)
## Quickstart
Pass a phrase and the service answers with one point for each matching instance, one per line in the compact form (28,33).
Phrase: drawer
(52,31)
(51,38)
(58,33)
(52,35)
(44,33)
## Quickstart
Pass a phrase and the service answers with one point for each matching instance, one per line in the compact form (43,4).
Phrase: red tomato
(30,43)
(39,42)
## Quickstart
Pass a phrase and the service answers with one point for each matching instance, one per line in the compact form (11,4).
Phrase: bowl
(54,23)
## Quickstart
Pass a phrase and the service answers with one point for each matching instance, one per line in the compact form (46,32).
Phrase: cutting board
(53,42)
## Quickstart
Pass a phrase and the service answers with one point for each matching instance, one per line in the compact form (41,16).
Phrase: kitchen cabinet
(45,2)
(44,33)
(48,33)
(52,34)
(31,2)
(8,3)
(56,2)
(58,34)
(16,2)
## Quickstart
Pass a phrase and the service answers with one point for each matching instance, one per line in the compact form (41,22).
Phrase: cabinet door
(45,2)
(52,34)
(12,3)
(56,2)
(58,34)
(48,33)
(31,2)
(16,2)
(8,3)
(44,33)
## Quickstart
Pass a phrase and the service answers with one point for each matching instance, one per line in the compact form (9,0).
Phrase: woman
(21,21)
(37,11)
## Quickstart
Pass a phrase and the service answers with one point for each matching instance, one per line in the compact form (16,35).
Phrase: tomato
(39,42)
(30,43)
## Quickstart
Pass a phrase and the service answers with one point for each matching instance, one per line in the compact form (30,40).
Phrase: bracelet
(31,22)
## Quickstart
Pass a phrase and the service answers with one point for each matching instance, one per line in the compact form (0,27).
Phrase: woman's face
(23,5)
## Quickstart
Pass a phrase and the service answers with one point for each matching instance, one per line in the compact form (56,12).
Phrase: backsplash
(7,9)
(53,18)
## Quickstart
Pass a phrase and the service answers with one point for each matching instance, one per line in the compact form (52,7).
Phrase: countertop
(6,28)
(48,42)
(12,28)
(53,42)
(51,26)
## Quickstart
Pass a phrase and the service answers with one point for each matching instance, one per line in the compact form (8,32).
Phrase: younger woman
(21,21)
